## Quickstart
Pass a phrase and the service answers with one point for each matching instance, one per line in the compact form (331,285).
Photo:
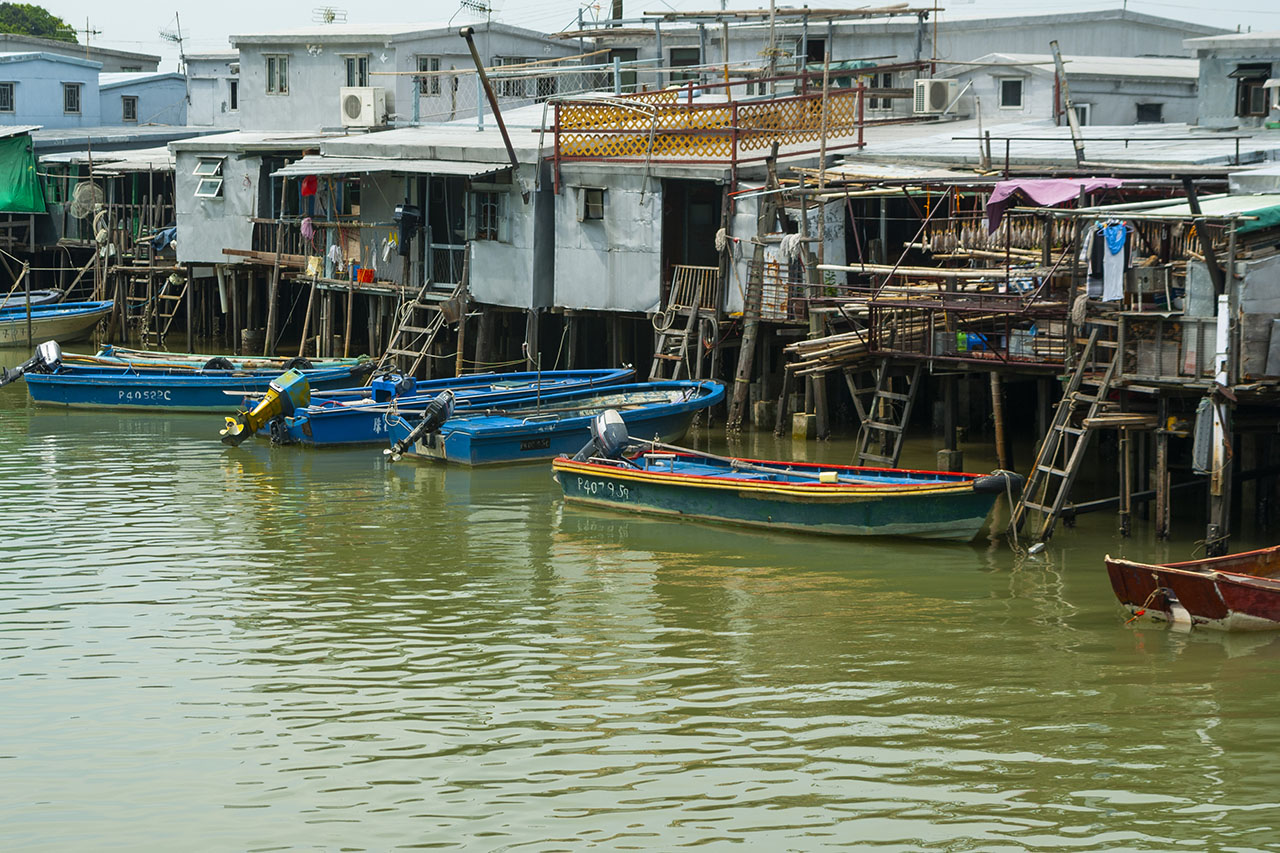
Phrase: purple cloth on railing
(1046,192)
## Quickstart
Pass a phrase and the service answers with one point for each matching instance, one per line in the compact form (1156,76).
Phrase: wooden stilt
(1126,481)
(997,414)
(1162,484)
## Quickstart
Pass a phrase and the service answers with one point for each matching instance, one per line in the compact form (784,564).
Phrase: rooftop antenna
(328,15)
(175,36)
(478,8)
(88,32)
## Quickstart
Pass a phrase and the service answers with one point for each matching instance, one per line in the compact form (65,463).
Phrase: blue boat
(171,390)
(536,431)
(840,500)
(69,321)
(357,416)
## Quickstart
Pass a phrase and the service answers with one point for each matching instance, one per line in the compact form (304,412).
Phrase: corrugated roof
(1096,66)
(321,165)
(1214,205)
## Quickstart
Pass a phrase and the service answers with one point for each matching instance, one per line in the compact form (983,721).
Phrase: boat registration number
(603,487)
(536,444)
(144,395)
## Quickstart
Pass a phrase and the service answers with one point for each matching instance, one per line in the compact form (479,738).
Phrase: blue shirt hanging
(1115,233)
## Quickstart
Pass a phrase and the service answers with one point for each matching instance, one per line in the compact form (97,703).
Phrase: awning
(1251,72)
(1273,83)
(317,164)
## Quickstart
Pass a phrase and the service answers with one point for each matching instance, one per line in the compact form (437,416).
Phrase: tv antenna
(88,32)
(175,36)
(478,8)
(328,15)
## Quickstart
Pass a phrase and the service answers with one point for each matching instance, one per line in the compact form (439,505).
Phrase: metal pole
(466,33)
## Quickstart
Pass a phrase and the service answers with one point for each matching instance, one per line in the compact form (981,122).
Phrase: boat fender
(998,482)
(218,362)
(298,363)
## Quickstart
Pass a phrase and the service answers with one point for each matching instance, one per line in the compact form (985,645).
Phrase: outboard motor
(287,393)
(608,437)
(48,359)
(437,412)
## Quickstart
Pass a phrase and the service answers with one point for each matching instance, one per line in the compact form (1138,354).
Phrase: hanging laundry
(1115,259)
(309,185)
(308,229)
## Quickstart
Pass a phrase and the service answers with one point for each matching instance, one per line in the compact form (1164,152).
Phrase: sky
(130,25)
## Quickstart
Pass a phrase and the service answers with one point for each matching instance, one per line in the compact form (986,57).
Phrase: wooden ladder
(672,349)
(887,416)
(421,319)
(1061,454)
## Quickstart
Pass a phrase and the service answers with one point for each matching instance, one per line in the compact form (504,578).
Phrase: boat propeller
(48,358)
(608,437)
(434,415)
(287,393)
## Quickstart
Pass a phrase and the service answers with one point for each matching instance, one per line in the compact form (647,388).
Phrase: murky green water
(275,649)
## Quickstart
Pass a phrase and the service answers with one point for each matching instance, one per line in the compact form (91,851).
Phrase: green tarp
(20,190)
(1268,217)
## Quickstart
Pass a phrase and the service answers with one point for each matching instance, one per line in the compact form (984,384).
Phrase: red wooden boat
(1238,592)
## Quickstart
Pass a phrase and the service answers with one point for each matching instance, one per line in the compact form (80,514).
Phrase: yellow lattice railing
(599,130)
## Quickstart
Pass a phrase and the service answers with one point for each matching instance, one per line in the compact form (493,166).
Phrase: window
(816,51)
(880,81)
(1251,93)
(357,70)
(1011,93)
(509,87)
(429,85)
(130,68)
(626,75)
(488,221)
(128,107)
(6,97)
(1150,113)
(207,167)
(590,204)
(277,75)
(1082,113)
(682,57)
(71,98)
(209,188)
(233,95)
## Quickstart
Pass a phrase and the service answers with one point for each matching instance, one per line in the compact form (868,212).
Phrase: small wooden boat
(175,389)
(118,356)
(68,321)
(532,431)
(16,300)
(1237,592)
(838,500)
(358,415)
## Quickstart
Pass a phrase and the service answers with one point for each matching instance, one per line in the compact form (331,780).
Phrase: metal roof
(1211,206)
(321,165)
(1159,67)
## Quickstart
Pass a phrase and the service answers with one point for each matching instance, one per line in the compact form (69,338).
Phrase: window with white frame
(488,216)
(71,98)
(512,88)
(1010,93)
(6,97)
(357,68)
(429,85)
(277,74)
(209,171)
(128,107)
(1082,113)
(882,80)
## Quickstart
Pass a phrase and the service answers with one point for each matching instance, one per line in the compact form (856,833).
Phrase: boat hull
(529,437)
(51,324)
(219,391)
(1212,596)
(366,421)
(950,512)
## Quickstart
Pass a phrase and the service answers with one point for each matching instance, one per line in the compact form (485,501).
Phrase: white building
(1239,79)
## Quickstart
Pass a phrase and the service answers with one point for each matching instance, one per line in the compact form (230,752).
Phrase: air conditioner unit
(934,96)
(363,106)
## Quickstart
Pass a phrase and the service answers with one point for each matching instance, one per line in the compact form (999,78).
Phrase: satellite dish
(86,197)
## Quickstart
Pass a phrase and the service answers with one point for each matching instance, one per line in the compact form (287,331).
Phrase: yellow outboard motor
(286,393)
